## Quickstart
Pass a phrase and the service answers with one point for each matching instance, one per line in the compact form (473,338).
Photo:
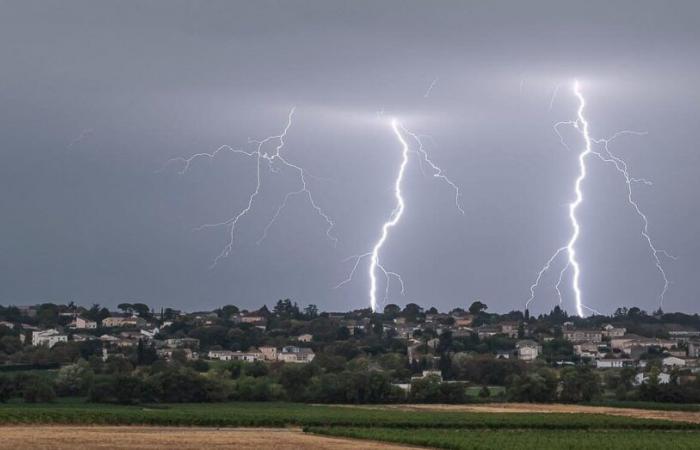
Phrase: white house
(269,353)
(528,350)
(251,355)
(296,354)
(84,324)
(304,338)
(48,338)
(673,361)
(614,363)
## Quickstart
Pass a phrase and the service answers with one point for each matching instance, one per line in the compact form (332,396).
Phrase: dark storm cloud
(88,217)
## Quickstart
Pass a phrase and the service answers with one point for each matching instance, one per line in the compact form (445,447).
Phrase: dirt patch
(680,416)
(149,438)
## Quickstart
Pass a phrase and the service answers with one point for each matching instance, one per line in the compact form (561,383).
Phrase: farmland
(244,414)
(438,427)
(523,440)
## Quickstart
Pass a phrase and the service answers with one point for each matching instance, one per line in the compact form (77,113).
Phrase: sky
(96,97)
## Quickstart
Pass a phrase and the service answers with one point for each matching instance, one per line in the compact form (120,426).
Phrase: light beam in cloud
(375,266)
(604,154)
(275,161)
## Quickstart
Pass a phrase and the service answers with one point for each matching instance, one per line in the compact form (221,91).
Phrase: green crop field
(523,439)
(441,429)
(285,414)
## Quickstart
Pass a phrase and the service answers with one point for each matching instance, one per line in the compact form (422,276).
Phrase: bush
(540,387)
(74,379)
(37,390)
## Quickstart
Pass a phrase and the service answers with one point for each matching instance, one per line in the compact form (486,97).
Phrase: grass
(522,439)
(293,414)
(656,406)
(437,429)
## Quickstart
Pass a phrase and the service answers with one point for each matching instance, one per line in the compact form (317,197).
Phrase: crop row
(285,414)
(523,439)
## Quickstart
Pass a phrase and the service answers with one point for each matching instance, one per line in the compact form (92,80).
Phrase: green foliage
(293,414)
(539,387)
(74,379)
(522,440)
(37,389)
(477,307)
(579,384)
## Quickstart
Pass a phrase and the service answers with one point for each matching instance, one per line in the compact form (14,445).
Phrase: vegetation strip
(286,414)
(522,439)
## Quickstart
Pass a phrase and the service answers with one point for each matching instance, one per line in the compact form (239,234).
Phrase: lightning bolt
(375,266)
(430,88)
(605,155)
(275,161)
(84,134)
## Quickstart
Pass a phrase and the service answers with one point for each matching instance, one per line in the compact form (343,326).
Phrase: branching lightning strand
(273,159)
(620,165)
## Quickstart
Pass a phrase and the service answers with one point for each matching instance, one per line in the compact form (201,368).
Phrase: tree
(311,312)
(484,392)
(579,384)
(7,387)
(538,387)
(145,354)
(127,308)
(392,311)
(477,307)
(228,311)
(411,312)
(74,379)
(36,389)
(141,309)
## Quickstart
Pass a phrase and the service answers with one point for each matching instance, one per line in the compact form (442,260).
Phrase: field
(437,426)
(524,440)
(149,438)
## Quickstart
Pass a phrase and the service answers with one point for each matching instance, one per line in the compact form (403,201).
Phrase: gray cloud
(156,80)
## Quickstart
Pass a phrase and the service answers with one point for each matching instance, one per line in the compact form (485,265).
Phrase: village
(288,335)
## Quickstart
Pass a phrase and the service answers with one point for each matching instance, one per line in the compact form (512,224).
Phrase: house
(463,321)
(291,353)
(258,317)
(528,350)
(610,331)
(614,363)
(627,342)
(83,324)
(150,334)
(587,350)
(251,355)
(107,339)
(222,355)
(9,325)
(485,331)
(190,343)
(503,354)
(119,321)
(510,329)
(269,353)
(673,361)
(438,317)
(428,373)
(694,349)
(83,337)
(683,335)
(167,353)
(48,338)
(304,338)
(575,335)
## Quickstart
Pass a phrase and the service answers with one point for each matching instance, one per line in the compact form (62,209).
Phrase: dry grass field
(150,438)
(680,416)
